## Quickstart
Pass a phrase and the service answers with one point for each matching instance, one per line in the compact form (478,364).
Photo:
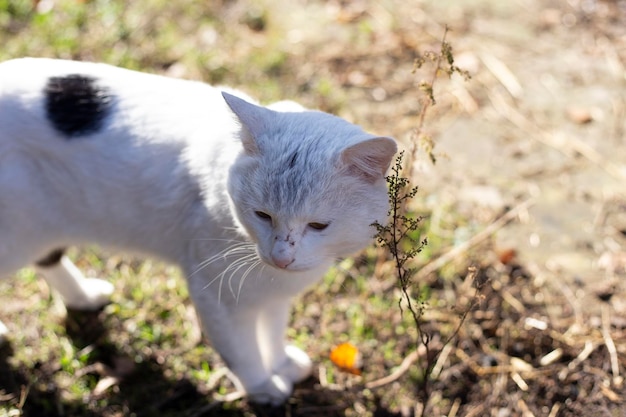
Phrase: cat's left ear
(370,158)
(254,121)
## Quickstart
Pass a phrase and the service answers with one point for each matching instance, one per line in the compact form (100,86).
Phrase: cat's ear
(370,158)
(254,121)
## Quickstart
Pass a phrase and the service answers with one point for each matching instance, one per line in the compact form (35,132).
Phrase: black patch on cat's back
(76,105)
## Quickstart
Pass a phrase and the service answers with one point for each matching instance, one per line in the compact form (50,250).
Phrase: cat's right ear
(370,158)
(254,121)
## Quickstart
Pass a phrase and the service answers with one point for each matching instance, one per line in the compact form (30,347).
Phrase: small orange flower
(347,357)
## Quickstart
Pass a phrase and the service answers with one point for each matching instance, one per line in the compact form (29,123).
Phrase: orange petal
(347,357)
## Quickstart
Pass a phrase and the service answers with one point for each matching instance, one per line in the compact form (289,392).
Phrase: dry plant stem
(427,101)
(443,62)
(477,238)
(521,404)
(476,411)
(582,356)
(402,225)
(23,395)
(455,408)
(397,236)
(395,375)
(555,410)
(573,302)
(503,74)
(443,357)
(610,344)
(471,277)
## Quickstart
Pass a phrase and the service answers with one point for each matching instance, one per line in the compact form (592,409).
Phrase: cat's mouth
(281,266)
(289,265)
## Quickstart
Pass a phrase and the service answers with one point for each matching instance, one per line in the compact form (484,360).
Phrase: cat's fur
(254,204)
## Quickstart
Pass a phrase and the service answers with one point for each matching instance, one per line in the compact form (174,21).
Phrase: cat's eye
(263,215)
(318,226)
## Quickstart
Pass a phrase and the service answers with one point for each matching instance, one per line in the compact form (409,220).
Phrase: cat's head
(307,185)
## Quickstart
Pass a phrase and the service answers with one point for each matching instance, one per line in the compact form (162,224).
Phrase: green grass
(150,326)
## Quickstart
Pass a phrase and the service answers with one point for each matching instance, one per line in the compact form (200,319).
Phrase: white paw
(298,366)
(95,294)
(274,391)
(3,333)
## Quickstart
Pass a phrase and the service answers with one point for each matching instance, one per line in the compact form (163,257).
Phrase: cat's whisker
(242,262)
(244,276)
(209,261)
(236,265)
(219,277)
(228,268)
(236,249)
(208,239)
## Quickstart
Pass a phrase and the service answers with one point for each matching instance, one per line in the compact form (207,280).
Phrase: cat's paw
(298,366)
(95,293)
(274,391)
(3,333)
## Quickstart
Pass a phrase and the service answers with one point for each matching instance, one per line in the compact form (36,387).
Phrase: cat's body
(253,204)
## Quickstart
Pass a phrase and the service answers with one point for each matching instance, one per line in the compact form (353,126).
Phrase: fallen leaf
(104,384)
(579,115)
(347,357)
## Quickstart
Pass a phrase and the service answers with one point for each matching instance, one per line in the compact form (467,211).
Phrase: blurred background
(535,137)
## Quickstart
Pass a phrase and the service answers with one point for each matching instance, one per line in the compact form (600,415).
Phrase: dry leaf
(347,357)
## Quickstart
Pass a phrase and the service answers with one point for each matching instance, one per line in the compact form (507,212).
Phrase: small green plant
(397,236)
(402,235)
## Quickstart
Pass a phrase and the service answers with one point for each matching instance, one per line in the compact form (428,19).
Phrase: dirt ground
(536,137)
(540,129)
(542,122)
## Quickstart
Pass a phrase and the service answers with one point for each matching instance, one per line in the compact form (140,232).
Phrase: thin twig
(503,74)
(554,411)
(610,344)
(476,410)
(395,375)
(582,356)
(456,405)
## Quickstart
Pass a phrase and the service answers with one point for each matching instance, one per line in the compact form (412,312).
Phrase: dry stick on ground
(401,370)
(477,238)
(610,344)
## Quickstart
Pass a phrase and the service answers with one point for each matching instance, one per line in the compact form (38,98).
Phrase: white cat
(253,203)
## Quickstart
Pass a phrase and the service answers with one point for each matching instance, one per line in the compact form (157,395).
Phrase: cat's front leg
(233,331)
(287,361)
(286,364)
(3,333)
(76,291)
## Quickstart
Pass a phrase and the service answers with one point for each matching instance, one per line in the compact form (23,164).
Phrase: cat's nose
(282,262)
(282,254)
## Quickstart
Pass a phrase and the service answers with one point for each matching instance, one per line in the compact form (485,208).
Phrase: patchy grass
(523,350)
